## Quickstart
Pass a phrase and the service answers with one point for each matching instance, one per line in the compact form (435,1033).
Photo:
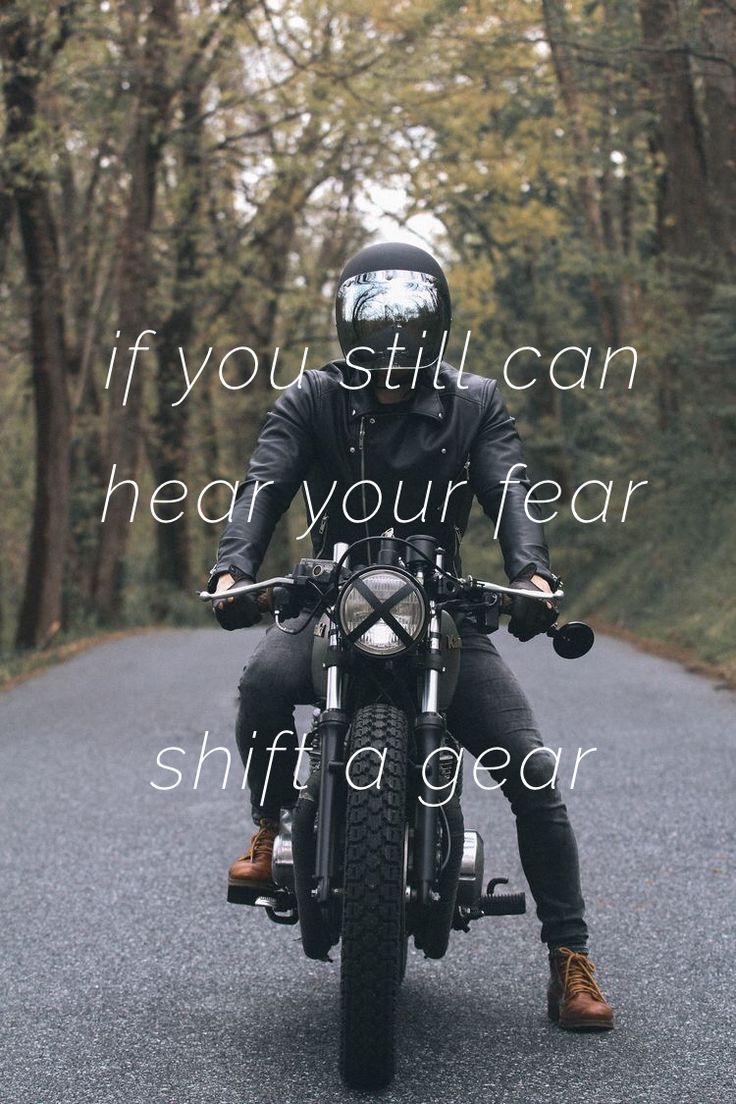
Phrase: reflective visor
(374,307)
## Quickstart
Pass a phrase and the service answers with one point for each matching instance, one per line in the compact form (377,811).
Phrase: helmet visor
(391,312)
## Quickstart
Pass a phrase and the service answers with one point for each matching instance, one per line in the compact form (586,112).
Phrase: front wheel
(374,887)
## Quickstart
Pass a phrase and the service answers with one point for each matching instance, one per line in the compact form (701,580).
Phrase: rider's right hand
(237,612)
(528,616)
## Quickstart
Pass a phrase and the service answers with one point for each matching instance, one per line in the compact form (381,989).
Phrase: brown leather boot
(254,867)
(574,1000)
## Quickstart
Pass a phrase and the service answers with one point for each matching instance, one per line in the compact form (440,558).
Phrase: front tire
(373,928)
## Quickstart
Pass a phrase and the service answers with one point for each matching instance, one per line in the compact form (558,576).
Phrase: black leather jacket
(322,434)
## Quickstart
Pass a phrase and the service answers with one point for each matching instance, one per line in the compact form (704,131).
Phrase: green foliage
(532,137)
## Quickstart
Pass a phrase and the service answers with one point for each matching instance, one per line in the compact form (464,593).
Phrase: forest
(188,177)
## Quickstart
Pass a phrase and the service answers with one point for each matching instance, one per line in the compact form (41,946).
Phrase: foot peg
(280,904)
(503,904)
(245,894)
(498,904)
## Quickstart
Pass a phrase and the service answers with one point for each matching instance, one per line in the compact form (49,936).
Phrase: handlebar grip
(264,600)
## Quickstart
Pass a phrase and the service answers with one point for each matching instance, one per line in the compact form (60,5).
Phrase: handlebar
(570,641)
(469,584)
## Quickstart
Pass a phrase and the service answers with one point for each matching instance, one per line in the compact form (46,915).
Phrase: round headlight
(382,612)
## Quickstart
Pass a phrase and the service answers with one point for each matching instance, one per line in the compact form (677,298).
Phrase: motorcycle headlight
(382,612)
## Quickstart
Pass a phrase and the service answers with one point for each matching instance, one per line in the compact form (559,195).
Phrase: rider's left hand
(239,611)
(528,616)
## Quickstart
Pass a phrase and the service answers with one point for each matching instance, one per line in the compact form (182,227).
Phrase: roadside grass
(666,583)
(663,582)
(20,666)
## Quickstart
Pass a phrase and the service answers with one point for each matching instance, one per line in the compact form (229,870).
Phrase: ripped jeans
(489,710)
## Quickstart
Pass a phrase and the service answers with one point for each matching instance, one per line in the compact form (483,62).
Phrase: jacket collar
(363,401)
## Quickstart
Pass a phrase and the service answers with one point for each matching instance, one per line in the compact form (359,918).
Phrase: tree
(26,47)
(135,279)
(687,218)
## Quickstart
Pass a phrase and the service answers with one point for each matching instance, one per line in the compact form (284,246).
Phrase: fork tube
(430,692)
(430,732)
(333,725)
(431,688)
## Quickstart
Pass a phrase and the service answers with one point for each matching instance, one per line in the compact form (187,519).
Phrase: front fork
(333,727)
(429,734)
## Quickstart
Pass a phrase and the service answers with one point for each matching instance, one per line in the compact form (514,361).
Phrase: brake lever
(242,588)
(479,586)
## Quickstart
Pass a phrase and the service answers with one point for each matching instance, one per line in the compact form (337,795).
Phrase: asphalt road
(125,976)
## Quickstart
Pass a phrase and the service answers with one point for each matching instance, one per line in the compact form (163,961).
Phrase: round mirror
(573,639)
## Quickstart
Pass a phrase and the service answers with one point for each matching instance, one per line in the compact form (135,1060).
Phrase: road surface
(126,977)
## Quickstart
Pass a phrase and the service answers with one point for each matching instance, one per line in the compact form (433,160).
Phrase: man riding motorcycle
(394,415)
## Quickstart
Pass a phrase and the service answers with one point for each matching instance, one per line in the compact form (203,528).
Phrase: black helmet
(387,290)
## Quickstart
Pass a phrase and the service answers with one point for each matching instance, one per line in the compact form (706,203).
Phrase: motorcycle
(371,855)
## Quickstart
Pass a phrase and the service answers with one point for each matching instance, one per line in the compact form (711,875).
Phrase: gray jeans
(489,710)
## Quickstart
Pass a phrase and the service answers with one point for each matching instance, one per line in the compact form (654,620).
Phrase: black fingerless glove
(528,616)
(241,613)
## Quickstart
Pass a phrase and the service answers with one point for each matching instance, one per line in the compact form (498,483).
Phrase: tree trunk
(718,30)
(169,446)
(134,284)
(558,36)
(686,221)
(40,612)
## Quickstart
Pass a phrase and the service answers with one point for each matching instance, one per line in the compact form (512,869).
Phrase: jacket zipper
(458,535)
(456,557)
(321,531)
(361,447)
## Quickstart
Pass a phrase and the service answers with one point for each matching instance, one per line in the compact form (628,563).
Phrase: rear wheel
(373,928)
